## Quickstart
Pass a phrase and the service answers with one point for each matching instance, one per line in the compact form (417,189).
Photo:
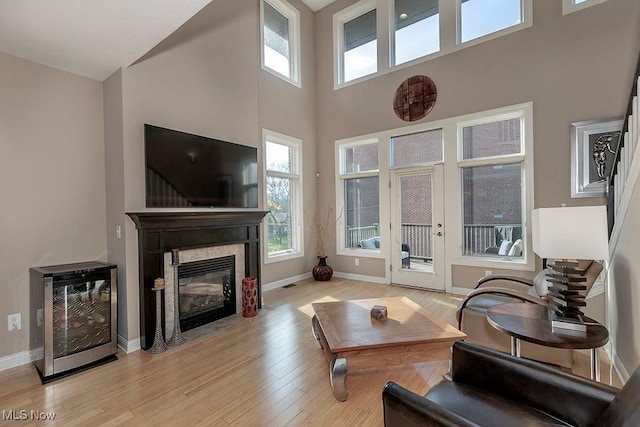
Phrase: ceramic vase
(322,272)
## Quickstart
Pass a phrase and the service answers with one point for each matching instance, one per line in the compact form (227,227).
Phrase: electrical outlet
(14,322)
(118,232)
(357,261)
(488,272)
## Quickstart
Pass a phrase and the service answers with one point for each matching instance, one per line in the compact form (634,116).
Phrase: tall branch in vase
(322,271)
(321,222)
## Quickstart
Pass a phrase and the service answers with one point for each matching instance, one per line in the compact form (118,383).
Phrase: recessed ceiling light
(403,15)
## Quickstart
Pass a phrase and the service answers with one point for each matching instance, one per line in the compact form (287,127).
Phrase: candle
(175,257)
(158,283)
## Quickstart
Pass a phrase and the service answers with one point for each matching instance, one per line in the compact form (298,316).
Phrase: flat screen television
(185,170)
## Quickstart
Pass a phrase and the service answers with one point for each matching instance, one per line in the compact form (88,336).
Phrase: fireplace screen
(206,290)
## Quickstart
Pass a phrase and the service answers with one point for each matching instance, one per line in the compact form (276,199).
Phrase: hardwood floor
(261,371)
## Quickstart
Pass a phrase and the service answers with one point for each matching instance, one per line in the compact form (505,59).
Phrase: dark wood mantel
(159,232)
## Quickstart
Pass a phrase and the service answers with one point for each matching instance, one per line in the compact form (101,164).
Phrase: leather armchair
(501,289)
(491,388)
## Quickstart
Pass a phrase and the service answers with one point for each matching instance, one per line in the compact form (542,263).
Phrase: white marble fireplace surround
(199,254)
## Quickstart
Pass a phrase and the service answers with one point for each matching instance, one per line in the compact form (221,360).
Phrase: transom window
(569,6)
(281,39)
(358,40)
(283,198)
(481,17)
(416,30)
(417,149)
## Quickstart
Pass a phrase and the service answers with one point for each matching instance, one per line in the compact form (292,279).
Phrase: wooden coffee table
(348,335)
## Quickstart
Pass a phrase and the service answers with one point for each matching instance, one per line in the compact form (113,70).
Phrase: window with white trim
(492,164)
(359,195)
(417,30)
(283,196)
(569,6)
(357,40)
(281,39)
(481,17)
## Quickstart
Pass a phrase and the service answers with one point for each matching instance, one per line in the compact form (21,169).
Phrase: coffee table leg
(338,374)
(314,329)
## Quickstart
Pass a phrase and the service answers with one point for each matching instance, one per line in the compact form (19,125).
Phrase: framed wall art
(593,147)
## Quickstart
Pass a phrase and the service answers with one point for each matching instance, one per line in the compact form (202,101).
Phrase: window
(569,6)
(358,41)
(481,17)
(281,40)
(359,188)
(417,29)
(416,149)
(283,198)
(493,201)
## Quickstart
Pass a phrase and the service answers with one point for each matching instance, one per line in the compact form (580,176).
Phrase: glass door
(417,227)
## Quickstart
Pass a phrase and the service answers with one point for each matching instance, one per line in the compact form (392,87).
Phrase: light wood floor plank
(263,371)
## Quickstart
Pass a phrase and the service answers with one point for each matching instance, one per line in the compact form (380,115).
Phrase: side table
(531,323)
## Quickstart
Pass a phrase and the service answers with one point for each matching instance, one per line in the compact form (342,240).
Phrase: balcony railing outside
(357,234)
(419,237)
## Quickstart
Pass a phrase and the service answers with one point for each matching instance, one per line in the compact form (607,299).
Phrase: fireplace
(206,291)
(210,285)
(198,236)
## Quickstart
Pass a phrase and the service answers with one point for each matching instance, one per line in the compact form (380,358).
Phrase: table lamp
(568,236)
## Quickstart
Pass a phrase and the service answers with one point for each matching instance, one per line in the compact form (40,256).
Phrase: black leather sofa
(491,388)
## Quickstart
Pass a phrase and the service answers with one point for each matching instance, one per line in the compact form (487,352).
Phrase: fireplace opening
(206,291)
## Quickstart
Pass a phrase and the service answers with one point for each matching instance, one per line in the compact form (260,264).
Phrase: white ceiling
(93,38)
(316,5)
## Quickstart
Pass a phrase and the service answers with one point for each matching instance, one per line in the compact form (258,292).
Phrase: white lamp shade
(571,233)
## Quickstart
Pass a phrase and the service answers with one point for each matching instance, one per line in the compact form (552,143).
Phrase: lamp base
(562,324)
(567,296)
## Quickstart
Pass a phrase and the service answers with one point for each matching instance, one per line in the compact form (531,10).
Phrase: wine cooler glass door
(81,315)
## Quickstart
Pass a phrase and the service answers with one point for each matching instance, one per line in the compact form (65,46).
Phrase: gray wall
(203,79)
(289,110)
(574,67)
(52,180)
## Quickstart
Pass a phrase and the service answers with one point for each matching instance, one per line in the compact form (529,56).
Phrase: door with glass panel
(417,210)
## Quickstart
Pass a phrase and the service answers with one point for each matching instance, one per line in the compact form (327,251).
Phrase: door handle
(439,234)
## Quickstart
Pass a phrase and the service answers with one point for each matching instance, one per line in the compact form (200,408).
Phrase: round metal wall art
(415,98)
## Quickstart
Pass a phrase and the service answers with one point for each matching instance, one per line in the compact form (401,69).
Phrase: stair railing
(624,155)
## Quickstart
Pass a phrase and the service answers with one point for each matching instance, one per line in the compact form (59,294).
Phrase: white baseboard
(293,279)
(361,277)
(21,358)
(620,369)
(458,290)
(128,346)
(28,356)
(285,282)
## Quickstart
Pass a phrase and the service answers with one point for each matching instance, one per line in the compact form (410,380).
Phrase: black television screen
(184,170)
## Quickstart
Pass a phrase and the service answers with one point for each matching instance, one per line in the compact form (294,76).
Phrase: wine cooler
(73,317)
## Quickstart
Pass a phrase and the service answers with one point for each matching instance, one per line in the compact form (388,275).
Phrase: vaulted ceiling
(93,38)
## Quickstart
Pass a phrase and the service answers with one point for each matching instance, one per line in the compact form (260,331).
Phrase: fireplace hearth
(190,233)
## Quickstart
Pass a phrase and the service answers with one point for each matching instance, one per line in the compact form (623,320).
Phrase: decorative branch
(321,222)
